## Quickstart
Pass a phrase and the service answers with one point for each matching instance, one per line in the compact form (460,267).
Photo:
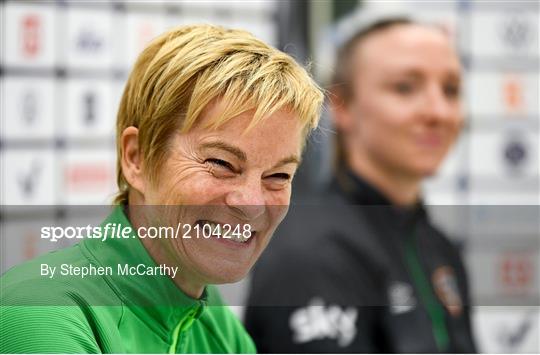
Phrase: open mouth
(237,233)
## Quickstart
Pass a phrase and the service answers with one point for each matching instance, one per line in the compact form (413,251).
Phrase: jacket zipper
(182,325)
(175,336)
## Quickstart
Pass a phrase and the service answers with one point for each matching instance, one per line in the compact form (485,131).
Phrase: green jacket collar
(155,299)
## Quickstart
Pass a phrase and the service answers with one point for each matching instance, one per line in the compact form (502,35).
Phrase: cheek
(279,213)
(279,198)
(453,128)
(379,113)
(384,127)
(202,188)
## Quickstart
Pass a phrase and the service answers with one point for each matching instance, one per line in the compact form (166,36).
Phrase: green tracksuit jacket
(110,313)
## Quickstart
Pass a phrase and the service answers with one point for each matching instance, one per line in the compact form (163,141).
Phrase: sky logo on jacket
(317,322)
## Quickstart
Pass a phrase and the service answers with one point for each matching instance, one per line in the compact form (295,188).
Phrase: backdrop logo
(30,34)
(515,31)
(28,180)
(513,97)
(29,107)
(89,41)
(89,107)
(88,176)
(516,272)
(515,152)
(512,337)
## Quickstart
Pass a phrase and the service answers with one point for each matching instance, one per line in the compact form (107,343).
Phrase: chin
(426,169)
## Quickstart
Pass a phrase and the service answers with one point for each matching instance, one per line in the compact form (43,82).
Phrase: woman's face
(226,177)
(406,106)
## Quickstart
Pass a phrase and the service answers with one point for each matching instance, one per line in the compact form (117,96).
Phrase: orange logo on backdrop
(30,35)
(513,94)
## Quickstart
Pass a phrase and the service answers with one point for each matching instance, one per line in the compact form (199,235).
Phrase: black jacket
(351,273)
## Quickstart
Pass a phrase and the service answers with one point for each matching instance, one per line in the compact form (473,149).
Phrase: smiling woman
(209,133)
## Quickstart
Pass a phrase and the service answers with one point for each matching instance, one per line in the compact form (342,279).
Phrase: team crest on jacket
(445,284)
(317,322)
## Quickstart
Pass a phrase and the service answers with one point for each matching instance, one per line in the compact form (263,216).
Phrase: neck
(401,189)
(183,280)
(161,254)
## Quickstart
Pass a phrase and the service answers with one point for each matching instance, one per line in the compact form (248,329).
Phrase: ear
(131,160)
(341,112)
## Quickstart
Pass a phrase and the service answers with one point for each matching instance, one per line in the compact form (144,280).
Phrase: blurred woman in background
(367,271)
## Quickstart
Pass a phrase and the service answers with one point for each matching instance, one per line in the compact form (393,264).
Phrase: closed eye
(404,88)
(220,163)
(282,176)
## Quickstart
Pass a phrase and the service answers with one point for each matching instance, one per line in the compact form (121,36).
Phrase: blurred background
(64,65)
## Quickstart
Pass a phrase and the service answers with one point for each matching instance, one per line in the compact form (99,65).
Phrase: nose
(438,107)
(247,200)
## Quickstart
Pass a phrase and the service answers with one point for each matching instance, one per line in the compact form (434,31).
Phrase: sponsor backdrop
(64,65)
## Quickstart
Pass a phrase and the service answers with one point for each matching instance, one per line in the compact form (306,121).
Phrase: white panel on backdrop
(507,329)
(497,223)
(87,176)
(89,43)
(28,108)
(504,167)
(28,177)
(504,194)
(256,17)
(263,29)
(502,93)
(455,161)
(21,239)
(267,6)
(259,24)
(117,87)
(506,275)
(148,6)
(504,33)
(29,35)
(189,17)
(140,30)
(88,111)
(511,153)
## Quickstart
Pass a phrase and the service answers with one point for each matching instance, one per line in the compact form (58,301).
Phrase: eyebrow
(293,159)
(450,74)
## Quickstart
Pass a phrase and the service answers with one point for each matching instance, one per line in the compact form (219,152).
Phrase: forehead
(278,134)
(212,119)
(406,47)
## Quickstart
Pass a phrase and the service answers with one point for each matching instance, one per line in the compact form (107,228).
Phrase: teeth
(219,229)
(215,227)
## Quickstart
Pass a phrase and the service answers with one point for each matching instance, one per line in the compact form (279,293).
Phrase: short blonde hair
(185,69)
